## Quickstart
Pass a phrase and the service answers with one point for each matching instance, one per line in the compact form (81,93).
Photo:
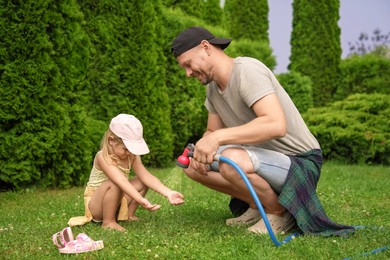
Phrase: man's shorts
(270,165)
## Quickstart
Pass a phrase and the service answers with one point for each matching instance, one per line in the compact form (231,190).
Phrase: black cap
(191,37)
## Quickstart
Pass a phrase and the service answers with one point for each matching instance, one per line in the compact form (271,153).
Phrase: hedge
(364,74)
(44,138)
(355,130)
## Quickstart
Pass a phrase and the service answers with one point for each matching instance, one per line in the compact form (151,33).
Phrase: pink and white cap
(129,129)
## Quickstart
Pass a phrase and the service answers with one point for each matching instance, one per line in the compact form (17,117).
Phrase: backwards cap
(192,36)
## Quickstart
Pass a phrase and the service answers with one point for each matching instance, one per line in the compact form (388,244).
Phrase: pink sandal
(60,239)
(66,245)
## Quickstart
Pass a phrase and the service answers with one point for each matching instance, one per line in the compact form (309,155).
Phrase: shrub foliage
(247,19)
(364,74)
(299,89)
(354,130)
(68,67)
(126,73)
(43,134)
(315,46)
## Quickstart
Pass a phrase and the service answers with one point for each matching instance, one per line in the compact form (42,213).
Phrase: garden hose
(183,162)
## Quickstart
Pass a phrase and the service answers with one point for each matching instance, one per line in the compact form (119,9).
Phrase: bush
(247,19)
(43,135)
(315,46)
(186,96)
(127,70)
(369,73)
(259,50)
(355,130)
(299,88)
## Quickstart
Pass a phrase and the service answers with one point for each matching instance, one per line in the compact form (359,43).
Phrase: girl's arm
(117,177)
(154,183)
(149,179)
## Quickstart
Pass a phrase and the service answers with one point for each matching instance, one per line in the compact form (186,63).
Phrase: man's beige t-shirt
(250,81)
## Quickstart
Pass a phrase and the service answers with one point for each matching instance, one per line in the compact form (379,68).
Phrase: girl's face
(119,149)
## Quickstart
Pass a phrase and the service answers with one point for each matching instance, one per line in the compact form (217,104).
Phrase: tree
(247,19)
(212,13)
(190,7)
(127,70)
(43,131)
(315,46)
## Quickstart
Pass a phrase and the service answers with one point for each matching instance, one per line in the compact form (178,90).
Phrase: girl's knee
(111,189)
(143,190)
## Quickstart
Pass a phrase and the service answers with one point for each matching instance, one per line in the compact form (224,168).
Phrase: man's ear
(206,46)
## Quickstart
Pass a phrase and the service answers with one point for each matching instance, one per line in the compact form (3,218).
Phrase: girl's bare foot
(113,225)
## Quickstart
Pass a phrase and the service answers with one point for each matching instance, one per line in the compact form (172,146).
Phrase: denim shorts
(270,165)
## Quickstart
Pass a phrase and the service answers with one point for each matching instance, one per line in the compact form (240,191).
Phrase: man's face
(194,62)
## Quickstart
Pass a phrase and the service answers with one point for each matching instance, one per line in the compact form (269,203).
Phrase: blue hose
(221,158)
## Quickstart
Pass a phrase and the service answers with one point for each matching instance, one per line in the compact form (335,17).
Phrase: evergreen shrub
(247,19)
(259,50)
(127,70)
(369,73)
(186,95)
(355,130)
(299,88)
(315,46)
(43,135)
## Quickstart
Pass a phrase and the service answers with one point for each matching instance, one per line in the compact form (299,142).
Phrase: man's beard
(204,80)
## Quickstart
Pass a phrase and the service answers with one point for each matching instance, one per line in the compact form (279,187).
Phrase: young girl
(110,195)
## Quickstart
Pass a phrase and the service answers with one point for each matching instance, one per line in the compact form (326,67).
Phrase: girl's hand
(149,206)
(175,198)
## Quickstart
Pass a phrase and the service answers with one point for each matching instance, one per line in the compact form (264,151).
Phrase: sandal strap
(60,239)
(66,235)
(55,239)
(83,243)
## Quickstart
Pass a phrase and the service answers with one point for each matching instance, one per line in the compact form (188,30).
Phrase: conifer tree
(247,19)
(43,135)
(190,7)
(212,12)
(315,45)
(127,71)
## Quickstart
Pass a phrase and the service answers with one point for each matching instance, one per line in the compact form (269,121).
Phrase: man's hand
(205,149)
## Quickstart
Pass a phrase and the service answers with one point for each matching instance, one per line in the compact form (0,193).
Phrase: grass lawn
(355,195)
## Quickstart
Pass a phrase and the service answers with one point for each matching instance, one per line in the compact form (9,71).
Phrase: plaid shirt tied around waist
(300,198)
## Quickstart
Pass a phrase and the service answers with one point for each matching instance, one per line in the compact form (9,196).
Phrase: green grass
(355,195)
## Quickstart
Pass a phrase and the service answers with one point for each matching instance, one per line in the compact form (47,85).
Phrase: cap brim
(137,148)
(222,42)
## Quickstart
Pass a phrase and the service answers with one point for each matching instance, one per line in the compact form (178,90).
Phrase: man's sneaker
(278,224)
(250,216)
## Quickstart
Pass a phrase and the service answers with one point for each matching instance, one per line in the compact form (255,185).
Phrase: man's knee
(238,156)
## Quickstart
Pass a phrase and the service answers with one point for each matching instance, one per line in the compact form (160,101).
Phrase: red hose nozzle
(184,160)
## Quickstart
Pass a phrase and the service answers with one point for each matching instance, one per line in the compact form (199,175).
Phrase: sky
(356,16)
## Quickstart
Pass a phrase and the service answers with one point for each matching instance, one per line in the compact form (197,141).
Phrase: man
(253,121)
